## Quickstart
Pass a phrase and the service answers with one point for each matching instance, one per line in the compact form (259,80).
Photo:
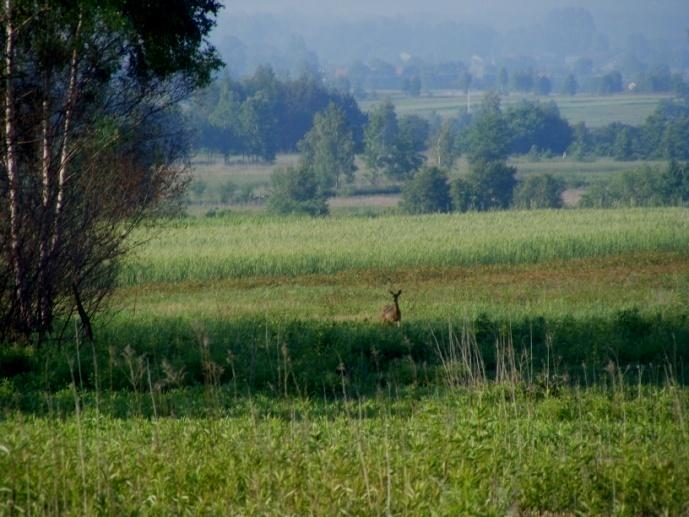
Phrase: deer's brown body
(391,313)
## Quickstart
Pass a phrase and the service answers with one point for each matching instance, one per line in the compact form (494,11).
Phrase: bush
(295,191)
(642,187)
(227,191)
(428,191)
(676,183)
(539,191)
(489,186)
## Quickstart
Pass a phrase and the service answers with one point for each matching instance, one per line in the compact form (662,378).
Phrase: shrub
(539,191)
(295,191)
(642,187)
(428,191)
(489,186)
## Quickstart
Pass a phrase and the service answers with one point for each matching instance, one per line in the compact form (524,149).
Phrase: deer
(391,313)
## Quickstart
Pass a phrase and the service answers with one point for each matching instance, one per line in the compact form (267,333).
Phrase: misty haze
(549,32)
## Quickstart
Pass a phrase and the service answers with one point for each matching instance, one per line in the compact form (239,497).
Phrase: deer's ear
(393,294)
(399,292)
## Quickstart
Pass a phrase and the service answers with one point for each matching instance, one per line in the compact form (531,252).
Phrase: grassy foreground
(492,451)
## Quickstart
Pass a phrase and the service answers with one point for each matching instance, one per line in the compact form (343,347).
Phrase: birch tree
(89,87)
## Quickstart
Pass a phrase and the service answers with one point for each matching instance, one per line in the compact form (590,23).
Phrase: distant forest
(262,115)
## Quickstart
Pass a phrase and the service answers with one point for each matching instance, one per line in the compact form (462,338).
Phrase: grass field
(594,110)
(488,451)
(236,247)
(241,368)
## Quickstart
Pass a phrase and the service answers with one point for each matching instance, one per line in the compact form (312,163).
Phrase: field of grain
(250,246)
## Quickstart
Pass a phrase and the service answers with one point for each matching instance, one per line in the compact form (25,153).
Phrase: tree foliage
(262,115)
(90,140)
(428,191)
(543,85)
(295,190)
(664,135)
(391,146)
(488,186)
(444,148)
(488,138)
(644,186)
(537,124)
(570,86)
(328,149)
(610,83)
(539,191)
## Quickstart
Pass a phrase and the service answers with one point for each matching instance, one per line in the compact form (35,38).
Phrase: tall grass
(482,451)
(245,246)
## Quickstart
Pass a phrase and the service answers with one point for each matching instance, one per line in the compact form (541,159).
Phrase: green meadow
(242,368)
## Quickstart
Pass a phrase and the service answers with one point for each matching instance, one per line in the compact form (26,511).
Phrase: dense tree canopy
(262,115)
(488,186)
(428,191)
(328,149)
(539,191)
(536,124)
(488,138)
(393,146)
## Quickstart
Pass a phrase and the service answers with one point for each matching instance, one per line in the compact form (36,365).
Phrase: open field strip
(594,110)
(236,247)
(652,282)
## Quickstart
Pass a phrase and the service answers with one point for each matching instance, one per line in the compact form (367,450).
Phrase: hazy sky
(498,13)
(340,31)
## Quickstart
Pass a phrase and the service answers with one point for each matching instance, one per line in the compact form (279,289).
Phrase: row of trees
(493,186)
(416,76)
(397,146)
(664,135)
(262,115)
(645,186)
(488,186)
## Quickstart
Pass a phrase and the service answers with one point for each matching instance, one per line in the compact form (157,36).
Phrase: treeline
(260,116)
(664,135)
(644,186)
(520,76)
(494,186)
(263,115)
